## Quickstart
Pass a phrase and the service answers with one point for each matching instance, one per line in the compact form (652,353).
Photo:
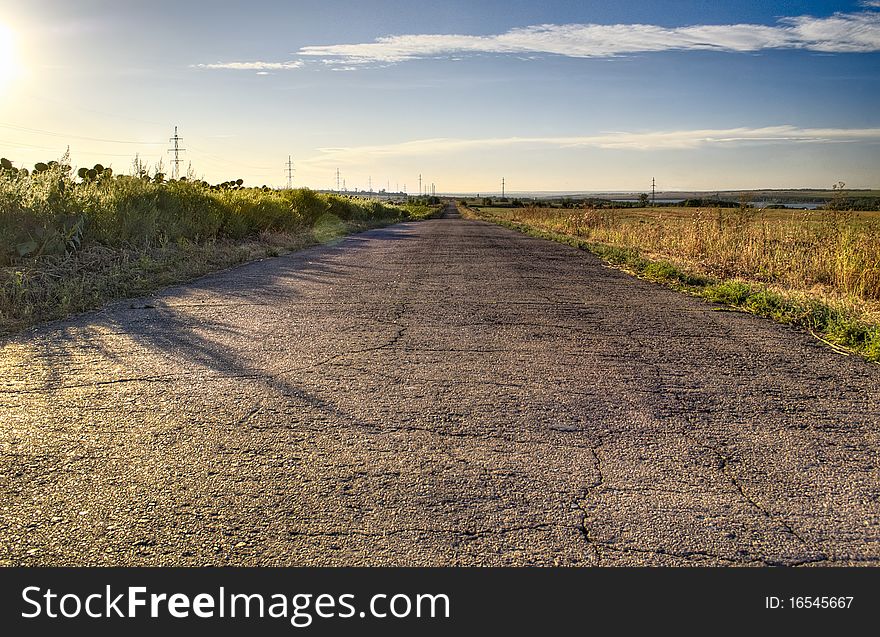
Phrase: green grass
(55,288)
(69,245)
(50,213)
(839,324)
(419,212)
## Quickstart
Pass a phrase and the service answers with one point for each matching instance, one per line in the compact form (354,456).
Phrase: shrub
(48,211)
(307,205)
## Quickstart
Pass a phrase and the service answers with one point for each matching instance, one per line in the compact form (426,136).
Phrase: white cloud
(870,3)
(252,66)
(839,33)
(658,140)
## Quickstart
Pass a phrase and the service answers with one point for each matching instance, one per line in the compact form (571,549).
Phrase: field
(778,196)
(816,269)
(70,242)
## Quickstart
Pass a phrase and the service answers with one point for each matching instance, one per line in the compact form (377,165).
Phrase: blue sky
(550,95)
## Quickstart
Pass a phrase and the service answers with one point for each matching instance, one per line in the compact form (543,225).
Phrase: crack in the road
(249,415)
(564,442)
(467,533)
(389,344)
(166,378)
(588,491)
(159,378)
(724,468)
(599,546)
(459,386)
(690,554)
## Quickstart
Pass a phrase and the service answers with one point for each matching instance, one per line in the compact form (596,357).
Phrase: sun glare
(9,68)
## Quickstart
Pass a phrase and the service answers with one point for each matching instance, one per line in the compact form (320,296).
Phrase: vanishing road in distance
(447,392)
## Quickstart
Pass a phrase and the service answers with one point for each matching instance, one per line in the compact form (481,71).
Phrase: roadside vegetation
(818,270)
(70,241)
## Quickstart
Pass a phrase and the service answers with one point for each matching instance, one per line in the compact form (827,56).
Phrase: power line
(237,164)
(176,150)
(22,145)
(48,133)
(289,172)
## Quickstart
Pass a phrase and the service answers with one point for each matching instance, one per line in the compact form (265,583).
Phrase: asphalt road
(438,393)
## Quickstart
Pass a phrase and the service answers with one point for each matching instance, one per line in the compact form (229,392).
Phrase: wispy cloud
(839,33)
(871,3)
(643,141)
(252,66)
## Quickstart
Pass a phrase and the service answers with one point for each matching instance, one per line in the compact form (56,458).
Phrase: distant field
(790,196)
(818,269)
(768,214)
(833,252)
(805,194)
(670,213)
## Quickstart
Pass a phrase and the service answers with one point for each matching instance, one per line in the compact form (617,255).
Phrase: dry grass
(834,253)
(57,286)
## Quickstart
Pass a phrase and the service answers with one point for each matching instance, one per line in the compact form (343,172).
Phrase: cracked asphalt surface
(447,392)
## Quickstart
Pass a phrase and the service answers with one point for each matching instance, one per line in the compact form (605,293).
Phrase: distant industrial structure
(175,171)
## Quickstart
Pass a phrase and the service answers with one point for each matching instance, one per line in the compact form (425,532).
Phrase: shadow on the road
(166,324)
(119,341)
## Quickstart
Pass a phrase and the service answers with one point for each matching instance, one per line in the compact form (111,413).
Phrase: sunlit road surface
(437,393)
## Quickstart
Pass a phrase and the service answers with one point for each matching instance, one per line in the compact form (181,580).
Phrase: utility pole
(175,174)
(337,180)
(370,181)
(433,190)
(420,184)
(653,192)
(502,187)
(289,172)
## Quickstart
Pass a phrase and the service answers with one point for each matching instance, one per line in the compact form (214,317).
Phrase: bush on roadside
(70,241)
(50,212)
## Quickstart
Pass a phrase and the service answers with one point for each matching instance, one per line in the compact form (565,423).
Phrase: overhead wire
(40,131)
(263,171)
